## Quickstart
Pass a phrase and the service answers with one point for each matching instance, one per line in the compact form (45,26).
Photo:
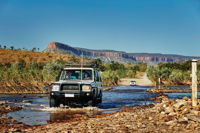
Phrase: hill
(119,56)
(11,56)
(28,72)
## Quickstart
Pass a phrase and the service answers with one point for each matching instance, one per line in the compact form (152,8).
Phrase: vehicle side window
(87,75)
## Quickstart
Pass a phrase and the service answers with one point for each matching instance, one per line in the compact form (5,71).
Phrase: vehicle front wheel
(100,98)
(53,102)
(92,103)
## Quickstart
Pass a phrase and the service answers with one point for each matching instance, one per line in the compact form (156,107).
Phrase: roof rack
(93,65)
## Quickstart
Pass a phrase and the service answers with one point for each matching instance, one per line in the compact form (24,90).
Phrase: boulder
(197,113)
(194,118)
(169,109)
(186,98)
(173,122)
(186,111)
(179,104)
(2,102)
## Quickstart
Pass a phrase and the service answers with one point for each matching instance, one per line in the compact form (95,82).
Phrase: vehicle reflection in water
(70,114)
(61,116)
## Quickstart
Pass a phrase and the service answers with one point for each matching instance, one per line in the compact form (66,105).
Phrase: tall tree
(12,47)
(34,49)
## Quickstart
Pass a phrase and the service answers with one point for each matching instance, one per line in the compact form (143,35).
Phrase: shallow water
(36,109)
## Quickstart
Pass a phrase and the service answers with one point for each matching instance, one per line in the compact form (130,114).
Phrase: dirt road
(143,81)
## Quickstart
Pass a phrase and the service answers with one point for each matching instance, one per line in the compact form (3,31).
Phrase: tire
(53,102)
(99,98)
(92,102)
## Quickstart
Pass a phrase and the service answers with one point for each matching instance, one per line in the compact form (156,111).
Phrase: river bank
(170,90)
(23,90)
(167,116)
(36,87)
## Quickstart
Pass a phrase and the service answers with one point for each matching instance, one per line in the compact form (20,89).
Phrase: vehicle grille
(70,88)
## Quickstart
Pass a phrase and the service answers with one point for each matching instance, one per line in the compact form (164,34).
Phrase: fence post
(194,82)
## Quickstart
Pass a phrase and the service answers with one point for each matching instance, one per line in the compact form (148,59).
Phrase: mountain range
(119,56)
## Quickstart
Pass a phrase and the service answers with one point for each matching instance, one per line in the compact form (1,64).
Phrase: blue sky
(153,26)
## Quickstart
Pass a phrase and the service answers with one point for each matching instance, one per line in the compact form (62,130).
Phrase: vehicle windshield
(76,75)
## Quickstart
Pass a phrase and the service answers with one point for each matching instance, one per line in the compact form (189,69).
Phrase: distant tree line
(34,49)
(168,73)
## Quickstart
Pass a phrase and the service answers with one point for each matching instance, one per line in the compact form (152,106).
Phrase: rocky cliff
(110,55)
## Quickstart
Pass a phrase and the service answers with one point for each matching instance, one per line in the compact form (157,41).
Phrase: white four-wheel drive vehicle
(76,85)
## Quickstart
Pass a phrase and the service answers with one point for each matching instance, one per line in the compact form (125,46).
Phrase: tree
(164,74)
(176,76)
(110,77)
(142,66)
(4,47)
(99,64)
(0,46)
(135,68)
(153,74)
(34,49)
(116,66)
(12,47)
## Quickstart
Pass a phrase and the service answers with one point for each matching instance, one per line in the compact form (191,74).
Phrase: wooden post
(194,82)
(158,83)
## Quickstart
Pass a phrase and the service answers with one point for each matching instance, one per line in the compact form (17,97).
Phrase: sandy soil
(143,81)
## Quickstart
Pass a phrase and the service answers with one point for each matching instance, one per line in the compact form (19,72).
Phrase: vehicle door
(97,80)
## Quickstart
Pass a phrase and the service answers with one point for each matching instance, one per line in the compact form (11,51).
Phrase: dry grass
(12,56)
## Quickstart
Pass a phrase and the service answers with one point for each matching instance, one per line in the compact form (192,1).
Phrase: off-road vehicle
(76,85)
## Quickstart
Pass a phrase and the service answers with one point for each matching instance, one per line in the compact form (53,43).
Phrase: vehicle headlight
(86,88)
(55,88)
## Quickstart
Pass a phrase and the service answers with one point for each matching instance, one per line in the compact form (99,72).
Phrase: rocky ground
(170,90)
(167,116)
(7,123)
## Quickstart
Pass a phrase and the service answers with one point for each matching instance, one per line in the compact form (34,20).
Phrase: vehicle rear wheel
(53,102)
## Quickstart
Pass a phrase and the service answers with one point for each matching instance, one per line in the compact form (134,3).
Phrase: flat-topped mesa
(119,56)
(51,45)
(55,47)
(61,48)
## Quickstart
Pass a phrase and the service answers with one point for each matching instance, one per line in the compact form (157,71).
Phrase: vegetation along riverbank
(23,71)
